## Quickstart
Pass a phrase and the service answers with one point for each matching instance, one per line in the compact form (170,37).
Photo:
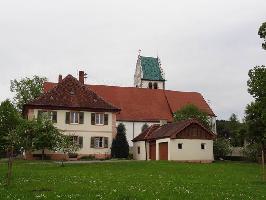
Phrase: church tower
(149,73)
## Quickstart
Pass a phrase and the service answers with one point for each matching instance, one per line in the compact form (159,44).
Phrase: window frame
(49,114)
(203,146)
(76,116)
(100,119)
(138,149)
(180,146)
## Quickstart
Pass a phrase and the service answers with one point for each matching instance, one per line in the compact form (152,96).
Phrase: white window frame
(181,146)
(99,119)
(76,117)
(98,141)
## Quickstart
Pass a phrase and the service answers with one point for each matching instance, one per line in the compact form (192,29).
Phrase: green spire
(151,68)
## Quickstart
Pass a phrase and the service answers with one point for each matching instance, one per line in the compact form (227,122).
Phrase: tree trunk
(262,162)
(43,154)
(9,166)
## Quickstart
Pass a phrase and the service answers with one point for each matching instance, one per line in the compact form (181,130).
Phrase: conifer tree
(120,147)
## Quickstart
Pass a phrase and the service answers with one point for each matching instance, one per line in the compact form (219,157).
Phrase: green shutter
(80,142)
(81,117)
(105,142)
(105,119)
(92,142)
(67,117)
(92,118)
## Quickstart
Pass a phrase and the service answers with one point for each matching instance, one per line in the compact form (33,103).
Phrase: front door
(163,151)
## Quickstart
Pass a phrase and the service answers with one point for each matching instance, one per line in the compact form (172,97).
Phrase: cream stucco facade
(191,150)
(85,130)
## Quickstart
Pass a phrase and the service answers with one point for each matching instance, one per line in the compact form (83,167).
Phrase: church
(92,112)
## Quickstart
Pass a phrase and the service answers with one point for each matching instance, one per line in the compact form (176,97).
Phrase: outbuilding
(186,141)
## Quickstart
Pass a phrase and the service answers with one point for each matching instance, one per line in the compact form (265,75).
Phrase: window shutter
(54,116)
(92,118)
(92,142)
(81,117)
(105,119)
(67,117)
(80,142)
(105,142)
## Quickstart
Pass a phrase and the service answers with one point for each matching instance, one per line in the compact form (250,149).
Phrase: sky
(206,46)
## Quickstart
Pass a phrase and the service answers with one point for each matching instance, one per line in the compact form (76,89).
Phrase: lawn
(133,180)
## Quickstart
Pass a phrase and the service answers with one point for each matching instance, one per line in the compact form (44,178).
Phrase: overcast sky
(204,45)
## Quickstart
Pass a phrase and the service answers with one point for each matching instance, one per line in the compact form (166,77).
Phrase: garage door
(152,150)
(163,151)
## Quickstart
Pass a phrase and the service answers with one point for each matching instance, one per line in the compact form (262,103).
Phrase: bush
(221,148)
(90,157)
(72,155)
(251,152)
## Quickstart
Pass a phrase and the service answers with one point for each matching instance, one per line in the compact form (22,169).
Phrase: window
(99,142)
(203,146)
(74,117)
(138,150)
(180,145)
(99,119)
(77,140)
(150,85)
(52,115)
(155,85)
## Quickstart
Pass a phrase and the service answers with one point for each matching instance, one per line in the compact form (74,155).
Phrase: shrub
(90,157)
(251,152)
(221,148)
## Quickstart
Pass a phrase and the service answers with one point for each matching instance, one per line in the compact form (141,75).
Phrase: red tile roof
(141,104)
(168,130)
(70,93)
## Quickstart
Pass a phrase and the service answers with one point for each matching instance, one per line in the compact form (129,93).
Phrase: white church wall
(133,129)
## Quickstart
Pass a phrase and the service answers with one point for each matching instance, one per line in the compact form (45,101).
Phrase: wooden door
(163,151)
(152,151)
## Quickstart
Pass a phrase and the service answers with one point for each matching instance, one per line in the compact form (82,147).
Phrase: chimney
(60,78)
(81,77)
(163,122)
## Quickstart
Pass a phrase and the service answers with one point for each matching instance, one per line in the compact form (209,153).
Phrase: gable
(194,131)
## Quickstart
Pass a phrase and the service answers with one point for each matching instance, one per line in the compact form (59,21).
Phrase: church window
(150,85)
(155,85)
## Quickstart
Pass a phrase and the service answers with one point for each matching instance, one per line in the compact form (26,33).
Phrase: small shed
(186,141)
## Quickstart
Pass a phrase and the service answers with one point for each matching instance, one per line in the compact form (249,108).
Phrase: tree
(144,127)
(120,147)
(9,139)
(256,111)
(46,136)
(26,90)
(221,148)
(67,145)
(190,111)
(262,34)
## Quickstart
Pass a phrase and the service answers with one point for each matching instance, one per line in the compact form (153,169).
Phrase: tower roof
(151,68)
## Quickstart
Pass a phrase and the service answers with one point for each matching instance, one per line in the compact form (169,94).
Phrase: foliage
(251,152)
(257,83)
(26,90)
(144,127)
(120,147)
(262,34)
(134,180)
(190,111)
(233,130)
(46,136)
(221,148)
(67,146)
(9,119)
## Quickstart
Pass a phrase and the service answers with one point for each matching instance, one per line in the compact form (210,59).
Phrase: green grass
(133,180)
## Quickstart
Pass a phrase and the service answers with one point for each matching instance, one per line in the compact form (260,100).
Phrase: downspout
(133,129)
(146,150)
